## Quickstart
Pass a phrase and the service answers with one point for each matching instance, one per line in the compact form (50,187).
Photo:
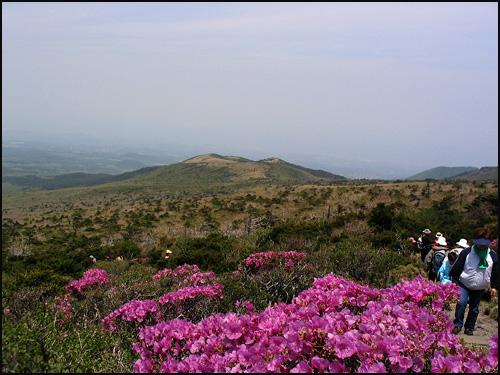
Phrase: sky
(412,83)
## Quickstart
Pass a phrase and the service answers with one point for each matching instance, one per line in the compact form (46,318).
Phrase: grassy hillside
(485,174)
(202,173)
(440,173)
(358,231)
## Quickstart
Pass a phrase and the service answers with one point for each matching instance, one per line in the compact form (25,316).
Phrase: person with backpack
(443,274)
(475,269)
(424,243)
(462,244)
(438,234)
(435,257)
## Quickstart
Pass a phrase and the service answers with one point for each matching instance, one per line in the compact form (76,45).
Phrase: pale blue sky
(415,83)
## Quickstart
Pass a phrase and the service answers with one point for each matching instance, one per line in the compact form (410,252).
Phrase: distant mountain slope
(217,169)
(292,168)
(440,173)
(204,170)
(22,160)
(73,179)
(484,174)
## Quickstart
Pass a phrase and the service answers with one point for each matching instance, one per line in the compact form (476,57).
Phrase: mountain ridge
(218,170)
(203,169)
(483,174)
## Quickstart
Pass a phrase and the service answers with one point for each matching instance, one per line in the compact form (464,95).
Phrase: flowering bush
(62,307)
(209,291)
(334,326)
(271,259)
(193,303)
(168,277)
(138,312)
(91,278)
(279,276)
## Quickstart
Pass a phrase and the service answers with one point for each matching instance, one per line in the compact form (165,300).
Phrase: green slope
(440,173)
(204,172)
(484,174)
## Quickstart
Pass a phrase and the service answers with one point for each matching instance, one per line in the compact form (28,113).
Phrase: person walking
(444,271)
(424,243)
(463,244)
(475,269)
(435,258)
(438,235)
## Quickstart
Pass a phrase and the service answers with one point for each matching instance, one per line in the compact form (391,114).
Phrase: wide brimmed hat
(439,234)
(463,243)
(481,241)
(441,241)
(426,231)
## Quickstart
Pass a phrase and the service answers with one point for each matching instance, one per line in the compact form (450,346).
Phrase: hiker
(424,243)
(462,244)
(443,273)
(475,269)
(93,259)
(438,234)
(435,257)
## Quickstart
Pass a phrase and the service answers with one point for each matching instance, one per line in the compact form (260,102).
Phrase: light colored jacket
(443,273)
(474,278)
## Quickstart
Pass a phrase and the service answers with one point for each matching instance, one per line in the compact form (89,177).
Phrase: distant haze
(413,84)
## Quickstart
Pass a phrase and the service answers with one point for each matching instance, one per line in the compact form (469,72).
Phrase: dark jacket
(465,270)
(426,241)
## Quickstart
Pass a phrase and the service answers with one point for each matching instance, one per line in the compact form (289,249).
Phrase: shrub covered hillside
(122,316)
(277,278)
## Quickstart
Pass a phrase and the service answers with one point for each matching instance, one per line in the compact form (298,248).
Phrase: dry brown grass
(49,208)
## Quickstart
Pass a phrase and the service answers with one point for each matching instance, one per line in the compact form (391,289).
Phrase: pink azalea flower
(233,331)
(337,367)
(320,363)
(369,367)
(302,367)
(472,367)
(345,348)
(453,364)
(143,365)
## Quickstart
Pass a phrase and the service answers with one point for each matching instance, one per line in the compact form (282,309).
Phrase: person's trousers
(473,298)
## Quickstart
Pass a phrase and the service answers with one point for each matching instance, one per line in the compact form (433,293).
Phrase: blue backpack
(438,261)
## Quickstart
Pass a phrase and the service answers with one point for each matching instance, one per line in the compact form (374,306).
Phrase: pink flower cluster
(180,273)
(243,308)
(91,278)
(331,292)
(199,278)
(335,326)
(141,312)
(175,301)
(209,291)
(62,307)
(258,261)
(143,260)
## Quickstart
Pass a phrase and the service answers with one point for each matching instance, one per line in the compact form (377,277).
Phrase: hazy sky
(415,83)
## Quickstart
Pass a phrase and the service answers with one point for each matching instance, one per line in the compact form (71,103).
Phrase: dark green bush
(207,253)
(361,262)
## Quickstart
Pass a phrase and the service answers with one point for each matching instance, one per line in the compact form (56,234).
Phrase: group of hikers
(473,268)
